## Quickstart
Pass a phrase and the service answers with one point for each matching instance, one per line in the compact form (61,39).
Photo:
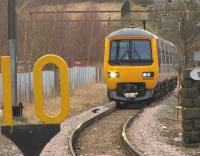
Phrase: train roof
(166,41)
(136,32)
(132,32)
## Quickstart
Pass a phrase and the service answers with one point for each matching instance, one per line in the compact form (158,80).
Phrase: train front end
(131,64)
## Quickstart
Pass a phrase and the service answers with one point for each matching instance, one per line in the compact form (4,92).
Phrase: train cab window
(113,50)
(141,50)
(124,50)
(130,52)
(119,50)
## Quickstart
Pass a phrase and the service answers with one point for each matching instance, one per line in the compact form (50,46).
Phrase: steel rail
(133,150)
(77,131)
(126,143)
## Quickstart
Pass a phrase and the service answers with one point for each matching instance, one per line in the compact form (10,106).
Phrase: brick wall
(190,102)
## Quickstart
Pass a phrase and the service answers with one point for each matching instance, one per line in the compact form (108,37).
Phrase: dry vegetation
(80,100)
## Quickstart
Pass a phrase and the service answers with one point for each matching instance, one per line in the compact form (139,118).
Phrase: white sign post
(196,57)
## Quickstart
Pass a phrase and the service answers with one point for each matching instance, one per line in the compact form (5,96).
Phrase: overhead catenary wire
(111,11)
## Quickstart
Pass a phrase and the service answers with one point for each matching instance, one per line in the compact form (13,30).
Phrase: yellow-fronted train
(138,65)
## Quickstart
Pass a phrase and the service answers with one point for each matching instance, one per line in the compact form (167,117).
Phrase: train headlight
(113,74)
(148,74)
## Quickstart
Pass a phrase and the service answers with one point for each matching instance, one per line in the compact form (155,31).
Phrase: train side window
(163,54)
(175,56)
(168,54)
(163,57)
(159,53)
(171,54)
(172,58)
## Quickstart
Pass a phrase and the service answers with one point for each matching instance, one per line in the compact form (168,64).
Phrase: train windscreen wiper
(116,62)
(122,57)
(136,52)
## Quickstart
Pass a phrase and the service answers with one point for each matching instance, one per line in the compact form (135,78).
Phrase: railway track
(104,134)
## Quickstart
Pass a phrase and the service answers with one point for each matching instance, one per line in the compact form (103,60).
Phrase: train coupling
(130,95)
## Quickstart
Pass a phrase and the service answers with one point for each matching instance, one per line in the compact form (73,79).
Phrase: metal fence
(78,76)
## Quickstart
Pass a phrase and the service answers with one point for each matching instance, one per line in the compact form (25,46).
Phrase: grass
(81,99)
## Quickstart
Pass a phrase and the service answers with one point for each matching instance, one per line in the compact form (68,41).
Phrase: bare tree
(180,27)
(54,33)
(3,27)
(89,38)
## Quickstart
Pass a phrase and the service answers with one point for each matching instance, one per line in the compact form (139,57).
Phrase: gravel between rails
(59,144)
(103,136)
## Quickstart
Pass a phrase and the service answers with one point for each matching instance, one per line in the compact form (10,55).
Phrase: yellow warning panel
(6,91)
(38,89)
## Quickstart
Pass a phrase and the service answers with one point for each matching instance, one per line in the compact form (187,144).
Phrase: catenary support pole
(12,47)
